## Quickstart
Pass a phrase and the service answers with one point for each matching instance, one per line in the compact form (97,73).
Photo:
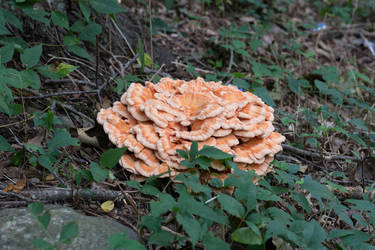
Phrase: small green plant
(67,234)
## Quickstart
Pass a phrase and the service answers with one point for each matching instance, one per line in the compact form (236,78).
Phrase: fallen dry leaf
(107,206)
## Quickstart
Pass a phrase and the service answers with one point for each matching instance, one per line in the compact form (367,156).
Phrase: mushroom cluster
(155,120)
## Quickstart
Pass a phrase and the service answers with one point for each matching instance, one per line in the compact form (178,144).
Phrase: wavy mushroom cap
(156,120)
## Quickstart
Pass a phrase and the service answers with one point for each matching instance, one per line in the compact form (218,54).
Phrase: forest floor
(312,61)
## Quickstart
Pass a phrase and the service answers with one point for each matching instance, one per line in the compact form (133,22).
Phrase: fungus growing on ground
(156,120)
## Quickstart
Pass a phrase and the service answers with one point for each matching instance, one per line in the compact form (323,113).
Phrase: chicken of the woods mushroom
(155,120)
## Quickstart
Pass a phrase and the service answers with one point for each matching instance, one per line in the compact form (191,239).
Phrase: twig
(287,158)
(157,72)
(197,69)
(95,91)
(318,155)
(71,108)
(230,61)
(122,35)
(35,154)
(16,195)
(69,80)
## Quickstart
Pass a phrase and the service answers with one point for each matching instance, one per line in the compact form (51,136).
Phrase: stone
(18,227)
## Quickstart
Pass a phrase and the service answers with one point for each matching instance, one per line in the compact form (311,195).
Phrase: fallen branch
(319,155)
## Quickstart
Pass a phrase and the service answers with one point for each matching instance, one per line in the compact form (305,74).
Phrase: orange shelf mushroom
(155,120)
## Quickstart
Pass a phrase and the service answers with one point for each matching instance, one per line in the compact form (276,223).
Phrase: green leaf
(231,205)
(190,225)
(316,189)
(68,232)
(182,153)
(30,57)
(49,72)
(213,243)
(12,19)
(165,203)
(84,7)
(168,4)
(310,232)
(44,219)
(41,244)
(61,139)
(247,236)
(111,157)
(36,208)
(362,205)
(106,6)
(37,15)
(45,162)
(214,153)
(90,32)
(121,240)
(6,53)
(193,150)
(302,201)
(203,162)
(149,190)
(241,83)
(98,173)
(29,78)
(4,145)
(162,238)
(64,69)
(60,19)
(297,85)
(352,238)
(79,51)
(264,95)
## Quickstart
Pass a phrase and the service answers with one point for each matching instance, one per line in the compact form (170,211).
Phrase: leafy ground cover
(313,61)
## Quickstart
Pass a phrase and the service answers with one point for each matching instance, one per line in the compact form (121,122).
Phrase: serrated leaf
(264,95)
(302,201)
(107,206)
(45,162)
(122,241)
(29,78)
(6,53)
(165,203)
(161,238)
(111,157)
(149,190)
(168,4)
(193,150)
(317,190)
(4,145)
(98,173)
(44,219)
(241,83)
(36,208)
(106,6)
(30,57)
(214,153)
(231,205)
(203,162)
(190,225)
(247,236)
(352,238)
(60,19)
(69,232)
(61,139)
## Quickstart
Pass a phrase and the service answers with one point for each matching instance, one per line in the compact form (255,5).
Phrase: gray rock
(18,227)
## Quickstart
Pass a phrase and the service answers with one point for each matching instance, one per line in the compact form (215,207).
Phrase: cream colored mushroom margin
(155,120)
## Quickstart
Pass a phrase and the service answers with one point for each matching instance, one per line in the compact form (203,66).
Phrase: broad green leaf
(79,51)
(44,219)
(60,19)
(165,203)
(111,157)
(168,4)
(4,145)
(106,6)
(190,225)
(4,30)
(122,241)
(162,238)
(36,208)
(41,244)
(6,53)
(302,201)
(341,211)
(352,238)
(231,205)
(214,153)
(49,72)
(141,53)
(317,190)
(213,243)
(264,95)
(247,236)
(69,232)
(37,15)
(64,69)
(193,150)
(361,205)
(182,153)
(311,233)
(151,222)
(83,6)
(98,173)
(90,32)
(29,78)
(203,162)
(45,162)
(296,86)
(241,83)
(12,19)
(60,139)
(30,57)
(149,190)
